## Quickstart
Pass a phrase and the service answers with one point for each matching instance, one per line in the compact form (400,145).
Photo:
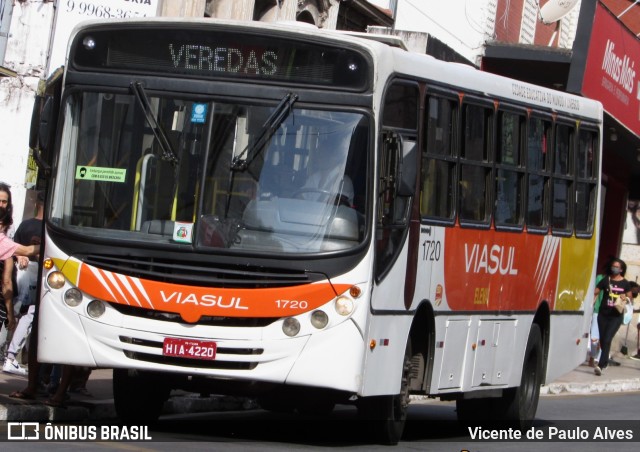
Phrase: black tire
(388,414)
(138,396)
(520,404)
(517,406)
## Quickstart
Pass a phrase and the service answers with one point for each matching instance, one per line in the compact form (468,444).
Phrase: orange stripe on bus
(193,302)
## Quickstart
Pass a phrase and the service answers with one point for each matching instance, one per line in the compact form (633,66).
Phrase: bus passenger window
(473,192)
(438,164)
(476,165)
(586,186)
(508,198)
(562,151)
(562,191)
(538,185)
(401,106)
(561,198)
(509,175)
(437,189)
(476,133)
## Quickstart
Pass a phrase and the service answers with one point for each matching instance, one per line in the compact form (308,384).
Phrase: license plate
(189,348)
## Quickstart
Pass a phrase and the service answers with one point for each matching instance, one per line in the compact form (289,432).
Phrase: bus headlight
(73,297)
(344,305)
(95,308)
(319,319)
(55,280)
(290,326)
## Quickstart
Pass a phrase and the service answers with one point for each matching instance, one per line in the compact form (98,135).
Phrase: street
(432,426)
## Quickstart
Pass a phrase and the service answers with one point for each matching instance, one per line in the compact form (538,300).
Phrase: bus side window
(562,187)
(587,180)
(438,159)
(509,173)
(475,167)
(538,180)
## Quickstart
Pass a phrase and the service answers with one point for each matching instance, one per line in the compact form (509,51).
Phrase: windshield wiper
(273,122)
(168,154)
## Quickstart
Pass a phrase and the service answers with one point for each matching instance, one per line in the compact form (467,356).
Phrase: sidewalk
(582,380)
(99,406)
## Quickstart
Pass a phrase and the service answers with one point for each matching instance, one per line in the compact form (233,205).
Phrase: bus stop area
(99,404)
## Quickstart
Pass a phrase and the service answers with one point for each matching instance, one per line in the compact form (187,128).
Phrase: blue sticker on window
(199,113)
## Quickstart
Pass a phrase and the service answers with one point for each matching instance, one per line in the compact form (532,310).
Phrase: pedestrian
(614,286)
(28,233)
(635,289)
(7,317)
(6,210)
(594,354)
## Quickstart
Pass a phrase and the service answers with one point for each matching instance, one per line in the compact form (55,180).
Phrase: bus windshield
(213,174)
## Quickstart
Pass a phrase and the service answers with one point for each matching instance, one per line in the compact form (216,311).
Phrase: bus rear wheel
(138,396)
(519,405)
(388,414)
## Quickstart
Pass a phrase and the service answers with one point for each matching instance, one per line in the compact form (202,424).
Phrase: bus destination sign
(217,54)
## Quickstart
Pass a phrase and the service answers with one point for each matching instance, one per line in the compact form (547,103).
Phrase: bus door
(397,233)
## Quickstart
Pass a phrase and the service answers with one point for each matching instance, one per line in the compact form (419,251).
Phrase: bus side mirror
(45,127)
(35,120)
(42,128)
(407,168)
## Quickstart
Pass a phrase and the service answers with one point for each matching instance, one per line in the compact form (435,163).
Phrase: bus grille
(189,362)
(205,274)
(247,322)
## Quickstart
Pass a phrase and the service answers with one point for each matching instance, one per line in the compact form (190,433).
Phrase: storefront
(604,64)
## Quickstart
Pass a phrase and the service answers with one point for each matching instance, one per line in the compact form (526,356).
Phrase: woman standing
(614,286)
(7,265)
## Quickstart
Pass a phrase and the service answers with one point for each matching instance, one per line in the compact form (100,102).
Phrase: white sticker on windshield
(182,232)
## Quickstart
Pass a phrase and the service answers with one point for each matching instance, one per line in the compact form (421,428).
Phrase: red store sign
(612,70)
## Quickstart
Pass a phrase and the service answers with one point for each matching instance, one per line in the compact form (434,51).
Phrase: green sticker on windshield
(101,173)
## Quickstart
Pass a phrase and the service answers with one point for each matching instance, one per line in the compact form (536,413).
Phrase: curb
(606,386)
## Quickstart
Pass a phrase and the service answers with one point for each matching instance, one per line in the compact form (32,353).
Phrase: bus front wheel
(388,414)
(138,396)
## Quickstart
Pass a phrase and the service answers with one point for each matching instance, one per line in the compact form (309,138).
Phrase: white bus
(313,218)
